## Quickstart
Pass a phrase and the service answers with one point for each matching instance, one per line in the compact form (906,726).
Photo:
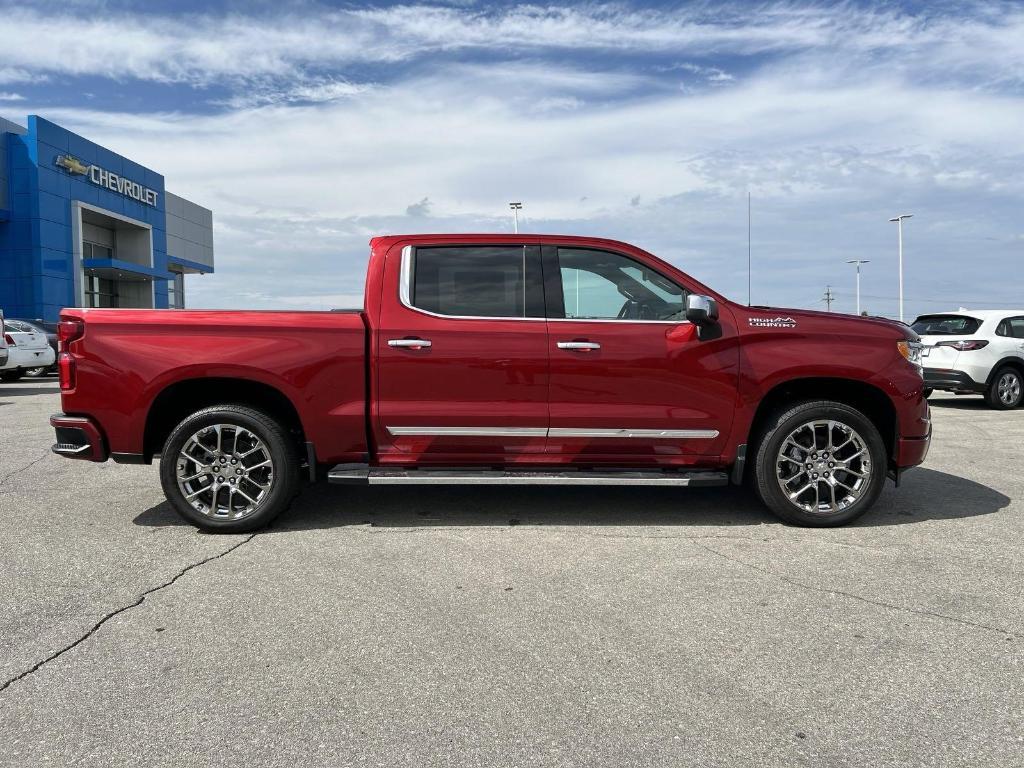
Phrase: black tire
(928,392)
(12,375)
(780,426)
(277,446)
(995,394)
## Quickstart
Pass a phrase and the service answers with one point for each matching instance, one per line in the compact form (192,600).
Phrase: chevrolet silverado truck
(494,359)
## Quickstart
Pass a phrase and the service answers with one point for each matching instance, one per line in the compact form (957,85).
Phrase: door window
(1012,327)
(477,282)
(599,285)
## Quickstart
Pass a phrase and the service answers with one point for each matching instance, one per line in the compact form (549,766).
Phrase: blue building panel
(59,185)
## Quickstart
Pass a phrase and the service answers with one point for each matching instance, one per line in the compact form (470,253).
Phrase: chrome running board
(360,474)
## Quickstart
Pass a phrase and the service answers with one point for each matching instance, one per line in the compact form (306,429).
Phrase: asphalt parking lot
(484,626)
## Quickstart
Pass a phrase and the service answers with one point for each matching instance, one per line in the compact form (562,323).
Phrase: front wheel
(229,469)
(820,464)
(1006,390)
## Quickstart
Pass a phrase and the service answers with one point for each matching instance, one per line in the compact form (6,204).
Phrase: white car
(3,342)
(27,348)
(975,351)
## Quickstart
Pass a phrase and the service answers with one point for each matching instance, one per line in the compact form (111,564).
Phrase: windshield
(946,325)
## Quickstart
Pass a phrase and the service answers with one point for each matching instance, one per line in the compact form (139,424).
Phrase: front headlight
(911,351)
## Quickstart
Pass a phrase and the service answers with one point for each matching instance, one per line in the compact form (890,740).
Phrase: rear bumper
(953,381)
(78,437)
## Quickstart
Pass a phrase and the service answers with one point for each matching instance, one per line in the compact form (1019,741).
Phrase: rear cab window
(946,325)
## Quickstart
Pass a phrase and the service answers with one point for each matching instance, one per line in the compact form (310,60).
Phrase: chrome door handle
(584,345)
(410,343)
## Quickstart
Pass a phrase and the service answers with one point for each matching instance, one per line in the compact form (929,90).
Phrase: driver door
(631,382)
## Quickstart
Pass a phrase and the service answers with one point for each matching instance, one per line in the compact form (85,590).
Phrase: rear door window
(1012,327)
(484,281)
(946,325)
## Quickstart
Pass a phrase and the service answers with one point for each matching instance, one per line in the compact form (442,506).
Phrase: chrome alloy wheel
(823,467)
(1008,388)
(225,471)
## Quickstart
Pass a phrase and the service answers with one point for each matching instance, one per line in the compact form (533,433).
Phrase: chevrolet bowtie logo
(72,164)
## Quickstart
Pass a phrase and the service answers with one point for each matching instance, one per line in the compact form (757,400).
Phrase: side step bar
(360,474)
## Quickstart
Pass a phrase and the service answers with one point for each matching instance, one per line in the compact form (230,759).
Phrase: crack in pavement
(852,596)
(18,471)
(122,609)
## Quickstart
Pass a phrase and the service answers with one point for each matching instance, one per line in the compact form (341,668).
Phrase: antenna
(748,248)
(828,298)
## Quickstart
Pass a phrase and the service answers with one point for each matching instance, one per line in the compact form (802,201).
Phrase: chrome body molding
(468,431)
(642,434)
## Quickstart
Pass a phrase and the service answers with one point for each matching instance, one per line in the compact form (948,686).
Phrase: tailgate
(938,357)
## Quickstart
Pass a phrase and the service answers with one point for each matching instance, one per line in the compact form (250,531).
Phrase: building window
(96,251)
(100,292)
(176,291)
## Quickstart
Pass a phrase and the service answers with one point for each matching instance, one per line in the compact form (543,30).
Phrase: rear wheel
(820,464)
(1006,390)
(229,469)
(12,375)
(928,392)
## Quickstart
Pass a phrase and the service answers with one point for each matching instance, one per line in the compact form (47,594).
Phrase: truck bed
(130,358)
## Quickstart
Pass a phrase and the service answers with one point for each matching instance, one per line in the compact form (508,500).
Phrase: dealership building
(81,226)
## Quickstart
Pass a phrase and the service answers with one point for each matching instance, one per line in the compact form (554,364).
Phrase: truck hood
(834,322)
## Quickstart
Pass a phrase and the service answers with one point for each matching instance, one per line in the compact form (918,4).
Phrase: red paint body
(490,372)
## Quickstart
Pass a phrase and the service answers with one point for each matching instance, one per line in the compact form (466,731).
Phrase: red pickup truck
(498,359)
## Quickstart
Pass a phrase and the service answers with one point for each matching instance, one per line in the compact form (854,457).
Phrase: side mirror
(701,310)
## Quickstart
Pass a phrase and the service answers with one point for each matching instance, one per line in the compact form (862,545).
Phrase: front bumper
(950,380)
(78,437)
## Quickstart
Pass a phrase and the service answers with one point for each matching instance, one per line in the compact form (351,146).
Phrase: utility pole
(899,228)
(858,262)
(516,207)
(829,298)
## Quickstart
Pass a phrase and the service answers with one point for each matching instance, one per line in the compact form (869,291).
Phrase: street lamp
(899,226)
(858,262)
(516,207)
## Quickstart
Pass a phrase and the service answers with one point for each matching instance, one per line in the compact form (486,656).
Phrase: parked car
(50,331)
(494,359)
(27,349)
(975,352)
(3,342)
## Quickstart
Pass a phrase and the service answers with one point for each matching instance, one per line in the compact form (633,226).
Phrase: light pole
(899,228)
(858,262)
(516,207)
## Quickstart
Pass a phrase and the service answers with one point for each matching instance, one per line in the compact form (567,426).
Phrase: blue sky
(310,127)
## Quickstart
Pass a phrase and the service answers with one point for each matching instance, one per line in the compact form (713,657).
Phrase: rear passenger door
(1012,329)
(461,355)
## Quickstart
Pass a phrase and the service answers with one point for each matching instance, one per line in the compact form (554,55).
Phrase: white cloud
(8,96)
(854,115)
(205,49)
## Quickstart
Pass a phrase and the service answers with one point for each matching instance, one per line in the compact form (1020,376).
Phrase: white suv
(975,351)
